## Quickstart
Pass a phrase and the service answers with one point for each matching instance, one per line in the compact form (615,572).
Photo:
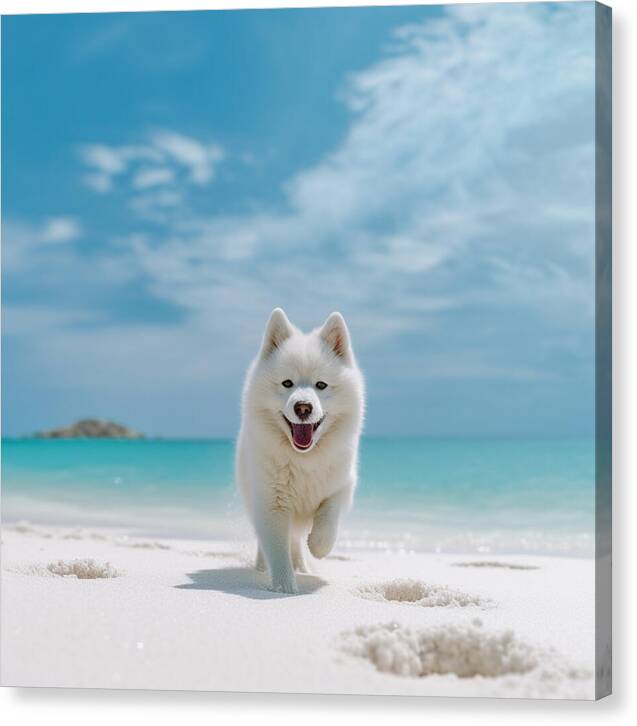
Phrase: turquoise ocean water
(449,495)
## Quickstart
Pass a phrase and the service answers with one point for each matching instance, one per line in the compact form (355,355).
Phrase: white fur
(288,492)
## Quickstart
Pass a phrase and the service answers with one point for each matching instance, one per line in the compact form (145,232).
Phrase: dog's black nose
(302,409)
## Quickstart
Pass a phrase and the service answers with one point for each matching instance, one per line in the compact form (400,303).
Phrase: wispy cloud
(24,243)
(200,160)
(61,229)
(458,156)
(158,176)
(166,159)
(38,258)
(154,176)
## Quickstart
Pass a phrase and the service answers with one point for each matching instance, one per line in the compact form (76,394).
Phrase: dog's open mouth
(303,433)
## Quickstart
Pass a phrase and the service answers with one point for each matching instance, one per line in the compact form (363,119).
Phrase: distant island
(90,428)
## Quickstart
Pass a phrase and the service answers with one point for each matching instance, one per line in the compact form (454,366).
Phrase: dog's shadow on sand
(246,582)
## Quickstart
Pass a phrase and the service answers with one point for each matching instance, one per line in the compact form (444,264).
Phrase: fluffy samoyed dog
(296,463)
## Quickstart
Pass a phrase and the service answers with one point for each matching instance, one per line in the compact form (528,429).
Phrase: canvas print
(306,335)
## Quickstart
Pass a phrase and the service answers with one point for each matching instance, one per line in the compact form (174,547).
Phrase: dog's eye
(321,385)
(287,383)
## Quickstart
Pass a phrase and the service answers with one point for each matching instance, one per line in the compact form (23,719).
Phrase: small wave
(141,544)
(26,528)
(495,564)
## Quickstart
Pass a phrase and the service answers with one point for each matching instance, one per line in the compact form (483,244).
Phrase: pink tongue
(302,434)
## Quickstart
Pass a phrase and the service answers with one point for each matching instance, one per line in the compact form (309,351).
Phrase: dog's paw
(285,584)
(321,540)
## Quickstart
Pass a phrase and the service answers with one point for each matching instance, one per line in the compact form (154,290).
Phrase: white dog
(297,451)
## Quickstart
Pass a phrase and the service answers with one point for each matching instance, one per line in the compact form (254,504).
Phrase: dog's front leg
(273,531)
(325,528)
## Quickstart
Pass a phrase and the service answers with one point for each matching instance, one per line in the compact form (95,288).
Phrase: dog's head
(308,383)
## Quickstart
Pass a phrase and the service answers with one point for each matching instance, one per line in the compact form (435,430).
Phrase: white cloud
(109,161)
(35,255)
(166,158)
(200,160)
(146,178)
(24,243)
(60,229)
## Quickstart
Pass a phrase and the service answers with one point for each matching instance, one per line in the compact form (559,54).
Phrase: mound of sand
(466,651)
(418,593)
(86,569)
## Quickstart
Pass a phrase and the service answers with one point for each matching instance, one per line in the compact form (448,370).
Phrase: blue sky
(169,178)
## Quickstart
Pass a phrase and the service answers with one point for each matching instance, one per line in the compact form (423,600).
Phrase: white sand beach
(103,609)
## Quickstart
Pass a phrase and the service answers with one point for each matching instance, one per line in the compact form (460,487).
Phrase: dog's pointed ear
(276,331)
(336,335)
